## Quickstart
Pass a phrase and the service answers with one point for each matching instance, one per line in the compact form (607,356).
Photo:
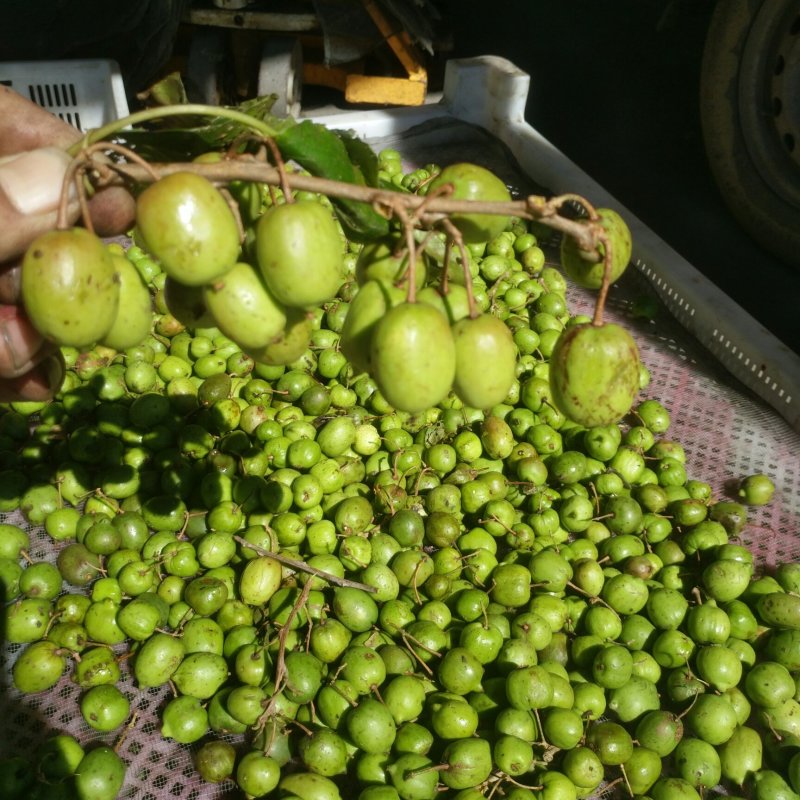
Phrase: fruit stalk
(608,262)
(534,207)
(301,566)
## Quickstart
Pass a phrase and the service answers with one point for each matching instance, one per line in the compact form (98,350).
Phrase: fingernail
(54,368)
(19,342)
(32,180)
(10,281)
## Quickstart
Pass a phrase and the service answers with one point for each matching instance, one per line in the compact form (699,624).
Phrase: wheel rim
(769,96)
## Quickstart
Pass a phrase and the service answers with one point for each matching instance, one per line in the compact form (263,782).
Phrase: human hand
(33,162)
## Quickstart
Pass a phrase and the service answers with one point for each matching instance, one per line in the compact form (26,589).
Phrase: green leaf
(185,138)
(322,153)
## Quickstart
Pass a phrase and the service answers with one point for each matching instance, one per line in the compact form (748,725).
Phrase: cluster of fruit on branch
(336,465)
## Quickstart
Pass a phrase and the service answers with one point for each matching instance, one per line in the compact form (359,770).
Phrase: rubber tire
(752,149)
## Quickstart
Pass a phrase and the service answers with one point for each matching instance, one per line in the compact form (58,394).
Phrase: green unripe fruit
(587,269)
(184,719)
(157,659)
(300,254)
(100,775)
(38,667)
(308,786)
(741,756)
(485,359)
(756,490)
(59,757)
(104,707)
(134,312)
(594,373)
(187,225)
(70,287)
(472,182)
(215,761)
(779,609)
(413,357)
(368,307)
(243,308)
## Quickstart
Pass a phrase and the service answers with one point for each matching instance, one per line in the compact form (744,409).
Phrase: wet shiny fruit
(594,373)
(300,253)
(70,287)
(185,222)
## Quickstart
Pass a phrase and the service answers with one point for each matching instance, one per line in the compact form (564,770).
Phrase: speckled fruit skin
(413,357)
(589,274)
(594,373)
(300,253)
(70,287)
(472,182)
(184,221)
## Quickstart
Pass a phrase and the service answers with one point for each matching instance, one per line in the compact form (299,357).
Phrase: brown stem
(280,665)
(88,161)
(301,566)
(505,777)
(128,154)
(435,208)
(455,234)
(126,732)
(627,782)
(234,207)
(411,269)
(83,201)
(608,257)
(412,773)
(63,202)
(281,167)
(448,250)
(570,197)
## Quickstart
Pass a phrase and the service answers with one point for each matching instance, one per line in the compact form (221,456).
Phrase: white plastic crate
(86,94)
(491,92)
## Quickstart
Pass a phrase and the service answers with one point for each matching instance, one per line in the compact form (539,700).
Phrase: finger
(38,384)
(30,193)
(26,126)
(21,345)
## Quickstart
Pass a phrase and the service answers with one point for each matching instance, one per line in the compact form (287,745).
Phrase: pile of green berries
(355,601)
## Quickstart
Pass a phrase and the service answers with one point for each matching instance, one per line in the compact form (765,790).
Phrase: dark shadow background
(615,86)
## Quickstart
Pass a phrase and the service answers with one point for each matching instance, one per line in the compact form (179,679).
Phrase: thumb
(30,191)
